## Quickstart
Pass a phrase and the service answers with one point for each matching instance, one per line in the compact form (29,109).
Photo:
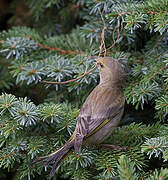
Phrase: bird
(99,115)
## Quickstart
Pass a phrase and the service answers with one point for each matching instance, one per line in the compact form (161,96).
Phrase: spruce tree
(58,40)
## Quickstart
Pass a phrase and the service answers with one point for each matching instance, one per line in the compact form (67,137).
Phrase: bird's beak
(99,61)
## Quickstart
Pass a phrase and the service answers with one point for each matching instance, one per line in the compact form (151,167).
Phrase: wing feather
(101,104)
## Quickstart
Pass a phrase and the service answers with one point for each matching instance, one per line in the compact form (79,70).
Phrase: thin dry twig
(71,80)
(113,37)
(102,45)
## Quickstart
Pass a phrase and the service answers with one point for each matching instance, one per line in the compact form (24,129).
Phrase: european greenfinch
(100,113)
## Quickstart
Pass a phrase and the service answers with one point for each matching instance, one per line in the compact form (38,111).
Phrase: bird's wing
(101,105)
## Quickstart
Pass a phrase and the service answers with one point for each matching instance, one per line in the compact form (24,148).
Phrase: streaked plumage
(100,113)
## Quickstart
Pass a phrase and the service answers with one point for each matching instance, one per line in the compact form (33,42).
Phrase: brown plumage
(99,115)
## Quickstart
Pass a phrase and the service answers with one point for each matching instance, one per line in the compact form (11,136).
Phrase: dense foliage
(58,40)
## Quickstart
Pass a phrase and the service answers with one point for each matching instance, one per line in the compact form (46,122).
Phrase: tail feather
(58,160)
(56,157)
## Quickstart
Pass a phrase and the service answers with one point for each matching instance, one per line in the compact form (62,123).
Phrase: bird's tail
(56,157)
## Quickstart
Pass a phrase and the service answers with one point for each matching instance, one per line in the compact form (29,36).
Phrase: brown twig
(102,45)
(7,155)
(157,72)
(113,37)
(71,80)
(60,50)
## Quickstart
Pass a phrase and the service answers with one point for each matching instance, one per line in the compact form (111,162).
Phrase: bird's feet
(111,146)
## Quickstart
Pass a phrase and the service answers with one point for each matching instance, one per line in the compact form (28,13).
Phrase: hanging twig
(118,36)
(102,45)
(71,80)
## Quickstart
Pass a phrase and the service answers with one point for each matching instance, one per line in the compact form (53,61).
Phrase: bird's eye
(101,65)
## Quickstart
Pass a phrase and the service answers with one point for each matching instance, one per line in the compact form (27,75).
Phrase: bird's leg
(111,146)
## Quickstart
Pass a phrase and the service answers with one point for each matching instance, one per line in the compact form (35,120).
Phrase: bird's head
(111,71)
